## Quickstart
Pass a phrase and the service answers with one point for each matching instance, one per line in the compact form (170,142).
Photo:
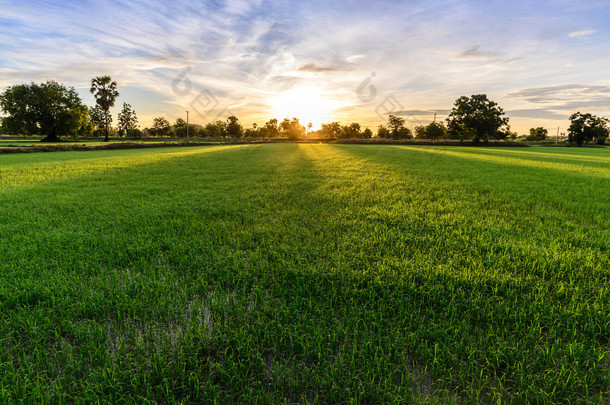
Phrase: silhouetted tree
(434,130)
(270,129)
(292,129)
(234,128)
(127,119)
(180,127)
(105,92)
(351,131)
(383,132)
(98,120)
(161,126)
(397,128)
(48,109)
(395,124)
(586,128)
(476,118)
(331,131)
(250,133)
(216,129)
(537,134)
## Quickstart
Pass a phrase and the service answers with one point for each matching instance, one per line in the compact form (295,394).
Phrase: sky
(320,61)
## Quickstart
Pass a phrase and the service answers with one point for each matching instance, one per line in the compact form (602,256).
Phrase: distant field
(306,273)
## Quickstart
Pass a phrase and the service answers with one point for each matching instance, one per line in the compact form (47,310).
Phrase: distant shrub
(134,133)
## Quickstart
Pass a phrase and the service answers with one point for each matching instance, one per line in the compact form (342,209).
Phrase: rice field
(305,273)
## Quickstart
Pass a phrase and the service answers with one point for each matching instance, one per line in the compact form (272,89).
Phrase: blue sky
(319,60)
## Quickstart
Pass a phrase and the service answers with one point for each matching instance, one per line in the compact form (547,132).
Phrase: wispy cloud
(581,33)
(425,54)
(475,52)
(566,95)
(314,67)
(538,113)
(420,113)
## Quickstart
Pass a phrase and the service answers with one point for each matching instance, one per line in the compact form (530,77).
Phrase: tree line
(51,109)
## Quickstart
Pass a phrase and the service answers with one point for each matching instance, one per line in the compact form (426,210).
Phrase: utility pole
(187,124)
(433,121)
(557,137)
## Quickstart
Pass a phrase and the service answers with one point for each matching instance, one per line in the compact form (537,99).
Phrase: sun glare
(306,105)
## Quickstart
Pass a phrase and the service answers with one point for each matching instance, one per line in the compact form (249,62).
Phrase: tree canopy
(292,129)
(434,130)
(537,134)
(476,118)
(395,129)
(127,119)
(586,128)
(97,118)
(234,128)
(105,92)
(49,109)
(331,130)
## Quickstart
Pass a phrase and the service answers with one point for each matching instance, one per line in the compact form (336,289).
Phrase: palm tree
(105,92)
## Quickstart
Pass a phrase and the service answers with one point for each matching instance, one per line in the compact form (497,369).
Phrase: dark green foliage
(292,129)
(134,133)
(537,134)
(397,129)
(105,91)
(476,118)
(127,119)
(234,128)
(434,130)
(180,128)
(382,132)
(331,130)
(161,126)
(270,130)
(97,120)
(217,129)
(352,131)
(587,128)
(49,109)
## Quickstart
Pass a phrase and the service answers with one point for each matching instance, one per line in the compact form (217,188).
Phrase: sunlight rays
(306,104)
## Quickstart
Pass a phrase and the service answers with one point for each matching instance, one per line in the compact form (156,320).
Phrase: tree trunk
(106,118)
(51,138)
(51,135)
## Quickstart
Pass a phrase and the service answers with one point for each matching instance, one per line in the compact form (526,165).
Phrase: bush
(134,133)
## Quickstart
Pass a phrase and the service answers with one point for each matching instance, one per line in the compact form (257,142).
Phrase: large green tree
(293,129)
(161,126)
(216,129)
(396,126)
(383,132)
(270,129)
(127,118)
(234,128)
(354,130)
(434,130)
(98,120)
(586,128)
(331,131)
(49,109)
(476,118)
(537,134)
(105,91)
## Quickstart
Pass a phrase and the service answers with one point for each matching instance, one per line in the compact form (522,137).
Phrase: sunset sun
(306,105)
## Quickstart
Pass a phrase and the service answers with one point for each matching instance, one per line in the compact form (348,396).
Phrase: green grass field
(306,273)
(19,143)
